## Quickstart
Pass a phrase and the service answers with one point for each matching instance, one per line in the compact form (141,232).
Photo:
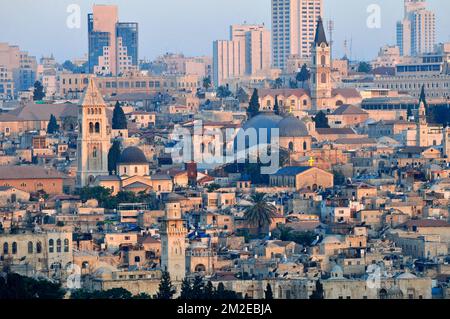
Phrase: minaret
(321,69)
(421,121)
(94,140)
(446,142)
(173,242)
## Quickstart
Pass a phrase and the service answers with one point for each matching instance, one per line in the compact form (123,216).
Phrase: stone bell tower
(320,69)
(94,139)
(173,242)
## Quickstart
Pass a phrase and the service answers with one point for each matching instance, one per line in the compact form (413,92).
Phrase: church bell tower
(94,140)
(320,69)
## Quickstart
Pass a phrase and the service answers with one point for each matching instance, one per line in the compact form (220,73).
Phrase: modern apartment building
(113,46)
(293,28)
(17,70)
(416,33)
(246,53)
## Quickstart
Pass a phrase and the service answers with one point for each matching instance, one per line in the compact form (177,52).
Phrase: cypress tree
(166,289)
(113,156)
(119,121)
(253,108)
(52,126)
(268,292)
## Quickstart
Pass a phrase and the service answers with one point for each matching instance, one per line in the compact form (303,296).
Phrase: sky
(190,26)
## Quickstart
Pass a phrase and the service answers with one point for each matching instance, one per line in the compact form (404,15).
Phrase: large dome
(132,155)
(263,121)
(292,127)
(263,124)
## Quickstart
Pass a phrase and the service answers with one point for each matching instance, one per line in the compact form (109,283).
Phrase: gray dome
(262,122)
(292,127)
(132,155)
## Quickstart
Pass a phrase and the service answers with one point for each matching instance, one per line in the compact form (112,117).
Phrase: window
(30,247)
(323,78)
(94,152)
(91,127)
(38,247)
(58,245)
(66,245)
(5,248)
(14,248)
(51,245)
(97,127)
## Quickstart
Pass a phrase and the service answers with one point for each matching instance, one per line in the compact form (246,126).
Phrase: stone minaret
(173,242)
(446,142)
(93,136)
(321,69)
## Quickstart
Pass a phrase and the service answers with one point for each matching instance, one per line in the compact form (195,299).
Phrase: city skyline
(220,15)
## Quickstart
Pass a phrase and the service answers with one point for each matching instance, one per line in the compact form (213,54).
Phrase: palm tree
(261,213)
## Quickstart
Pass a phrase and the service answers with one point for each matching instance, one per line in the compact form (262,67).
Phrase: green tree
(268,294)
(364,67)
(198,288)
(222,294)
(209,290)
(321,120)
(261,213)
(278,83)
(113,157)
(186,290)
(207,82)
(303,76)
(212,187)
(52,126)
(101,194)
(242,96)
(119,120)
(223,92)
(166,289)
(253,107)
(15,286)
(276,106)
(38,93)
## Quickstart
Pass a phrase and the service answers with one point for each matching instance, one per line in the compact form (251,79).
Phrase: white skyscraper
(293,27)
(416,33)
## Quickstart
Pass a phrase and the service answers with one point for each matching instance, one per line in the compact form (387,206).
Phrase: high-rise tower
(93,136)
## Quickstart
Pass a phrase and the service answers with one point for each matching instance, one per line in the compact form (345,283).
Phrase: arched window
(30,247)
(91,127)
(66,245)
(135,169)
(5,248)
(137,259)
(291,146)
(97,127)
(323,60)
(58,246)
(323,78)
(14,248)
(38,247)
(94,152)
(305,146)
(51,245)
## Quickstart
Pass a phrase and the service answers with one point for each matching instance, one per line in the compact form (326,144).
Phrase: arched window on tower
(91,127)
(323,78)
(66,245)
(94,152)
(97,127)
(323,60)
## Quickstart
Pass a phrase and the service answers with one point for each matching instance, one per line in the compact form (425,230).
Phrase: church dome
(263,124)
(132,155)
(292,127)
